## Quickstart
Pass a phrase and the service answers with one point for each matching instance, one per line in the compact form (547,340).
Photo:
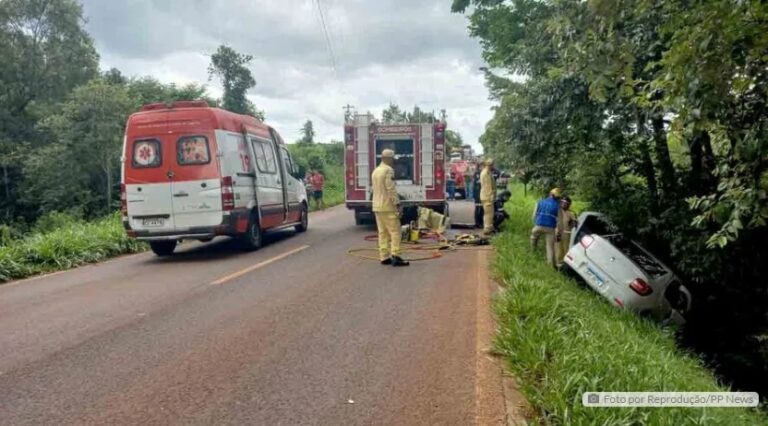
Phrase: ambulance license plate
(154,222)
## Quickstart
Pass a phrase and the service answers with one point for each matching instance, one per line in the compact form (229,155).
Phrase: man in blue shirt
(546,218)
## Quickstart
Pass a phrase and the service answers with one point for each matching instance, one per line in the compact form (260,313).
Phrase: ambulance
(419,164)
(192,172)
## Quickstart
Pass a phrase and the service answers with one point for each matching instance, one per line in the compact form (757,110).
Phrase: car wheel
(163,248)
(304,217)
(251,240)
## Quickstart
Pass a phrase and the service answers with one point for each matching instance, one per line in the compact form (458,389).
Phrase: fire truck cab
(419,163)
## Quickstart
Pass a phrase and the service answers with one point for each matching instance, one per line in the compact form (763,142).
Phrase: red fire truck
(419,163)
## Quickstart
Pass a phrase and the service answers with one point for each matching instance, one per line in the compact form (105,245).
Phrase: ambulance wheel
(359,218)
(302,227)
(163,248)
(251,239)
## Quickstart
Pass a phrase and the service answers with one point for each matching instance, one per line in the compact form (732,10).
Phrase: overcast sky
(403,51)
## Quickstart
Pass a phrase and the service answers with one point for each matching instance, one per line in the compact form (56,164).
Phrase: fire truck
(419,163)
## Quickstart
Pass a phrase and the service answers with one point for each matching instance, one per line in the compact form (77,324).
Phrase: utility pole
(348,110)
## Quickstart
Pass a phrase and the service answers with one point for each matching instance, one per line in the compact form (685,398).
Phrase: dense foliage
(562,340)
(655,113)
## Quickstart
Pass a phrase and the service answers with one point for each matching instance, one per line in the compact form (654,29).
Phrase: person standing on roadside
(487,195)
(451,184)
(469,182)
(566,226)
(317,180)
(385,208)
(546,219)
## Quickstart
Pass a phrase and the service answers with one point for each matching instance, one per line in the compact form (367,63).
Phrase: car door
(269,183)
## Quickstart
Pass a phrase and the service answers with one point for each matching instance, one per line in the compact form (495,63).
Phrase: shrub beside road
(561,340)
(71,243)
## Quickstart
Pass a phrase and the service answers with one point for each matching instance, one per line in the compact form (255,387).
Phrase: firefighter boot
(398,261)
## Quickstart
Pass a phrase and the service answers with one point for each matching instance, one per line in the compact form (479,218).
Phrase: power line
(327,38)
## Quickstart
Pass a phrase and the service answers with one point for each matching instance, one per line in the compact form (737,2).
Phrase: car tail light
(586,241)
(640,287)
(227,194)
(123,200)
(618,302)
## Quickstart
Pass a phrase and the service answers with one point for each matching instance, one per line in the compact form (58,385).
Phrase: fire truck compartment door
(361,157)
(427,156)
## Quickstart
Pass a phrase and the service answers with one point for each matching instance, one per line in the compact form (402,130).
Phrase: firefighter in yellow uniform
(385,208)
(487,195)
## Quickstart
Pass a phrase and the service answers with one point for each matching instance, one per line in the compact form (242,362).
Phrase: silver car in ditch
(624,272)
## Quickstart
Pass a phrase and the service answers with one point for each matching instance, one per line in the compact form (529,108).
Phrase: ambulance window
(265,157)
(271,160)
(146,153)
(287,161)
(192,150)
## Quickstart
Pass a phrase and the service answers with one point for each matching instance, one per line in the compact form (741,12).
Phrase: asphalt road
(295,333)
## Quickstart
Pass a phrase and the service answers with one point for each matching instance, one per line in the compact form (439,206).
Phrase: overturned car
(624,272)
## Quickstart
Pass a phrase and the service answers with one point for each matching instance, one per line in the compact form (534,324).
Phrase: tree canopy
(231,67)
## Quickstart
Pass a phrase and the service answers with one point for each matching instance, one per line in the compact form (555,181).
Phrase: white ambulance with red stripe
(194,172)
(419,163)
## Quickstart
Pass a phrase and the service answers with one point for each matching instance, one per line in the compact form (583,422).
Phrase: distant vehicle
(419,163)
(458,168)
(188,172)
(624,272)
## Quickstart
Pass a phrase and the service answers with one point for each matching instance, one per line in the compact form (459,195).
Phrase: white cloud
(401,51)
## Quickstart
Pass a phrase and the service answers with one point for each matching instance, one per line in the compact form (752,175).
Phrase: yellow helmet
(556,192)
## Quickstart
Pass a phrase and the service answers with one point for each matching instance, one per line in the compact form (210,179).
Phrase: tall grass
(70,243)
(562,340)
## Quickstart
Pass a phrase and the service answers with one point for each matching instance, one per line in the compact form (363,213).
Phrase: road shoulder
(497,397)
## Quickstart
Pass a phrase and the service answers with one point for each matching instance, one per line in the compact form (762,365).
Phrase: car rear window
(147,153)
(193,150)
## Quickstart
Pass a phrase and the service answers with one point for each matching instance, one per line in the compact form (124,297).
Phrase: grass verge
(561,340)
(73,244)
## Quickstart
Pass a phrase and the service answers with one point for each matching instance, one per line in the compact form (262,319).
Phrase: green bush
(561,340)
(52,221)
(70,243)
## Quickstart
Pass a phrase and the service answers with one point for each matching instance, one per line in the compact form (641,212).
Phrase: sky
(409,52)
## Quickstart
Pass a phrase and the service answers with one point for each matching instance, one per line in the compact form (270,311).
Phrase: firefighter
(385,208)
(487,195)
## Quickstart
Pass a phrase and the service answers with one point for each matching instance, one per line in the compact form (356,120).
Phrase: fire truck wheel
(251,240)
(163,248)
(302,227)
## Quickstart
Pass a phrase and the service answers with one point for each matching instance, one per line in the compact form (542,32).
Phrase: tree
(393,115)
(307,133)
(453,140)
(231,68)
(419,116)
(89,129)
(46,52)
